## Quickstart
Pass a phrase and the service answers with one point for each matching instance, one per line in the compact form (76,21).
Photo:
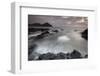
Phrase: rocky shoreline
(50,56)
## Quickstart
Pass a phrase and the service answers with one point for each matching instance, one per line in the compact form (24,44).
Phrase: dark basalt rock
(84,34)
(48,56)
(75,54)
(86,56)
(46,25)
(55,31)
(35,24)
(68,56)
(60,56)
(38,27)
(41,36)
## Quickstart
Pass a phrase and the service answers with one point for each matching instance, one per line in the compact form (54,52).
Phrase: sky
(69,22)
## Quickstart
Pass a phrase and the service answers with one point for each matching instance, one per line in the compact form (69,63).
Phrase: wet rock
(68,56)
(75,54)
(46,25)
(48,56)
(55,31)
(84,34)
(86,56)
(38,27)
(60,56)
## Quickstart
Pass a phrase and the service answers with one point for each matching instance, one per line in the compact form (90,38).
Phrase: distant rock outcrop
(46,29)
(38,27)
(84,34)
(47,25)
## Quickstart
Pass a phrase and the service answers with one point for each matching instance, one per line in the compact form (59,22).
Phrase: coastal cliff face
(48,42)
